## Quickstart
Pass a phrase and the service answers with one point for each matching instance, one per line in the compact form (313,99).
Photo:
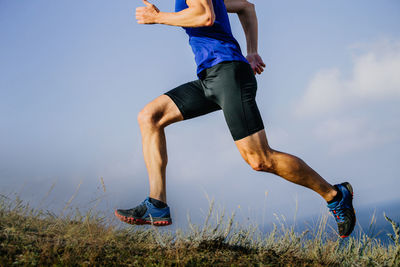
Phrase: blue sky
(74,75)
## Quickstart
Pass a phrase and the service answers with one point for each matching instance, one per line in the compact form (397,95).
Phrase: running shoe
(343,210)
(145,213)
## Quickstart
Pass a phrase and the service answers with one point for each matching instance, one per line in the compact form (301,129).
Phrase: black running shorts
(230,86)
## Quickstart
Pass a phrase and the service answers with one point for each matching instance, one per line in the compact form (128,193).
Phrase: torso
(215,44)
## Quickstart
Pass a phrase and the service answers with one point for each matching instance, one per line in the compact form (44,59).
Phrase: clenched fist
(147,14)
(256,62)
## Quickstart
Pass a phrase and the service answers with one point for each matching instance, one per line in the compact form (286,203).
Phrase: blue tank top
(214,44)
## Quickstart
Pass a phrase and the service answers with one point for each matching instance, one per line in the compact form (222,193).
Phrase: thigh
(191,100)
(254,146)
(161,110)
(233,86)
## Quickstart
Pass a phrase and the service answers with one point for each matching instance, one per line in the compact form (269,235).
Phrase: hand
(147,14)
(256,62)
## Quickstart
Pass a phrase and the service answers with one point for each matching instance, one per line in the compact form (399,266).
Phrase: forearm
(199,13)
(248,19)
(186,18)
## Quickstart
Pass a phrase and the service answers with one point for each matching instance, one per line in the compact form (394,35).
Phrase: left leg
(256,151)
(258,154)
(235,90)
(233,86)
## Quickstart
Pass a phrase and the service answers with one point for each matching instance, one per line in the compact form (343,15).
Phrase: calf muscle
(257,153)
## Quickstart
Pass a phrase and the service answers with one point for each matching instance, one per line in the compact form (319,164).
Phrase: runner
(226,81)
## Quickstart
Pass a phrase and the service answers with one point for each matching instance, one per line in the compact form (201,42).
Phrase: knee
(149,118)
(265,164)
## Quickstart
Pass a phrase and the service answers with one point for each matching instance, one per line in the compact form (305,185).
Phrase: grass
(30,236)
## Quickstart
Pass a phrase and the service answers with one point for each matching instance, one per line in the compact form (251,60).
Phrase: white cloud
(350,134)
(375,76)
(325,92)
(356,110)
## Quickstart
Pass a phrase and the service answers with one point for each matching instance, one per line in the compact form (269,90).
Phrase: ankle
(160,197)
(158,203)
(337,197)
(331,195)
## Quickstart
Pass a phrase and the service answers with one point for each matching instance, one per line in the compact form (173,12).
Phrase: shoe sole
(350,188)
(137,221)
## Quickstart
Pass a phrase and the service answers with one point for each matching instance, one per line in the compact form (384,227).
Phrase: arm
(248,18)
(199,13)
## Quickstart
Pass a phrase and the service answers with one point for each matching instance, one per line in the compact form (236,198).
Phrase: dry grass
(33,237)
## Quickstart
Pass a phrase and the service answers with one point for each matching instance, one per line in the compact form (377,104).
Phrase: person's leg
(234,88)
(257,153)
(181,103)
(154,117)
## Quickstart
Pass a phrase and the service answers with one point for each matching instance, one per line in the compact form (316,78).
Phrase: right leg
(182,103)
(153,118)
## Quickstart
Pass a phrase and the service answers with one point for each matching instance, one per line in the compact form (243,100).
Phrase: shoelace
(338,213)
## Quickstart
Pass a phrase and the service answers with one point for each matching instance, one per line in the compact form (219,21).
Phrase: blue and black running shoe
(343,210)
(145,213)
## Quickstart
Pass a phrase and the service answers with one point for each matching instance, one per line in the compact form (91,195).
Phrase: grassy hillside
(35,237)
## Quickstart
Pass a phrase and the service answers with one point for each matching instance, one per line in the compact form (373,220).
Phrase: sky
(74,75)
